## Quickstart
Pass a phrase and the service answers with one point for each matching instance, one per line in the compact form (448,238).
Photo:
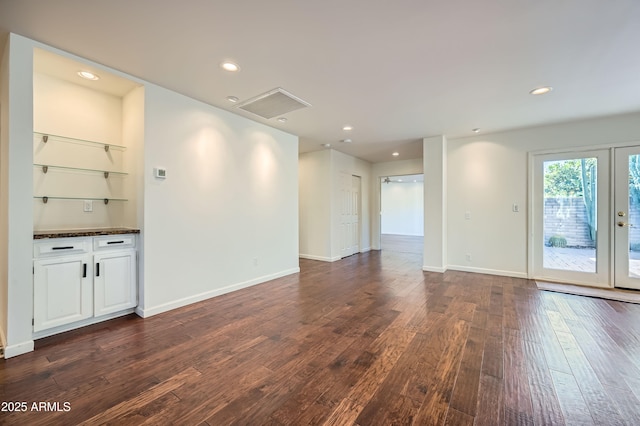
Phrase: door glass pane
(570,220)
(634,216)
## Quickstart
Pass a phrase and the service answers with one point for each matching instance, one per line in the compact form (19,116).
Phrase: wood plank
(117,412)
(602,408)
(465,392)
(458,418)
(574,408)
(436,402)
(517,395)
(490,407)
(545,405)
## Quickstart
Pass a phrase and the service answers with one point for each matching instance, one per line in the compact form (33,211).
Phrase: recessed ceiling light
(541,90)
(346,140)
(282,119)
(399,180)
(88,75)
(233,99)
(326,145)
(476,130)
(395,154)
(230,66)
(347,128)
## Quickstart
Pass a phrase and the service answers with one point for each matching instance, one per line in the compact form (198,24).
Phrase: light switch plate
(88,206)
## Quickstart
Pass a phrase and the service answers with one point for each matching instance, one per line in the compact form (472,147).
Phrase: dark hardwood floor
(369,340)
(402,243)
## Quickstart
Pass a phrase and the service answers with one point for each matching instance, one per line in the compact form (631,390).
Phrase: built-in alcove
(86,140)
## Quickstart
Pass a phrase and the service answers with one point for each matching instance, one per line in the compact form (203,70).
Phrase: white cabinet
(114,282)
(77,280)
(62,290)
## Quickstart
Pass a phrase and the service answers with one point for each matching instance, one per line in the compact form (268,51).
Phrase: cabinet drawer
(111,242)
(61,247)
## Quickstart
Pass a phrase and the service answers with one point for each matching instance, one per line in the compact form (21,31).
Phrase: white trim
(602,275)
(531,157)
(434,269)
(586,148)
(145,313)
(569,281)
(80,324)
(19,349)
(488,271)
(321,258)
(364,250)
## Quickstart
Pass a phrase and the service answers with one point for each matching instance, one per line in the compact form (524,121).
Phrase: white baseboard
(433,269)
(488,271)
(366,249)
(155,310)
(321,258)
(19,349)
(80,324)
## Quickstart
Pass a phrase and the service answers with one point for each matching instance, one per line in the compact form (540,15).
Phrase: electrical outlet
(88,206)
(515,208)
(255,261)
(467,215)
(468,256)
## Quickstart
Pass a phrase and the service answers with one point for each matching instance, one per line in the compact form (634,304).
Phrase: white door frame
(621,233)
(609,195)
(601,277)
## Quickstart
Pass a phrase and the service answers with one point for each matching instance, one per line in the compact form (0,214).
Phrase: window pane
(634,216)
(570,220)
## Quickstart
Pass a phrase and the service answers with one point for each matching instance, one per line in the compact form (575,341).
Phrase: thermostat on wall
(160,172)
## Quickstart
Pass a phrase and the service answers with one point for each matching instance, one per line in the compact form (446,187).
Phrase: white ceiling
(396,71)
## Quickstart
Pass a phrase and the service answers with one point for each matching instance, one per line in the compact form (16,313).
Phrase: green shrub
(557,241)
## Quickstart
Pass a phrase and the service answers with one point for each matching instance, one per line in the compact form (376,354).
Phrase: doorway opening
(402,213)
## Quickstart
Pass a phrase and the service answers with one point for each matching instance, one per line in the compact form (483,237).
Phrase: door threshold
(629,296)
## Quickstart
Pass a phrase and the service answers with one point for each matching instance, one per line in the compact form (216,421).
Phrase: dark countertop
(67,233)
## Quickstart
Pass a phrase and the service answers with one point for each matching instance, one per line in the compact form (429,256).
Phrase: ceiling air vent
(274,103)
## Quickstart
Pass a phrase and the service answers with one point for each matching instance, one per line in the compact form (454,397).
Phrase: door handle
(623,224)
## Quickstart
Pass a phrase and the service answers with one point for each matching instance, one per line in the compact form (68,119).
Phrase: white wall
(315,205)
(227,214)
(434,151)
(378,170)
(403,208)
(133,139)
(16,158)
(488,174)
(4,189)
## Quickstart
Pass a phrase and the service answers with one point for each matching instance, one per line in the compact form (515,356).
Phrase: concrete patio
(582,259)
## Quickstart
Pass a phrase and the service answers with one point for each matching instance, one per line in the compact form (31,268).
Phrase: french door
(586,217)
(626,217)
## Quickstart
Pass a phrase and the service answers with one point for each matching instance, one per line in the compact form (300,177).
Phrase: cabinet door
(115,283)
(62,291)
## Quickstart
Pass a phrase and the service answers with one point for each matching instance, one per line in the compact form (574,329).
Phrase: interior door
(571,218)
(349,214)
(626,217)
(355,213)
